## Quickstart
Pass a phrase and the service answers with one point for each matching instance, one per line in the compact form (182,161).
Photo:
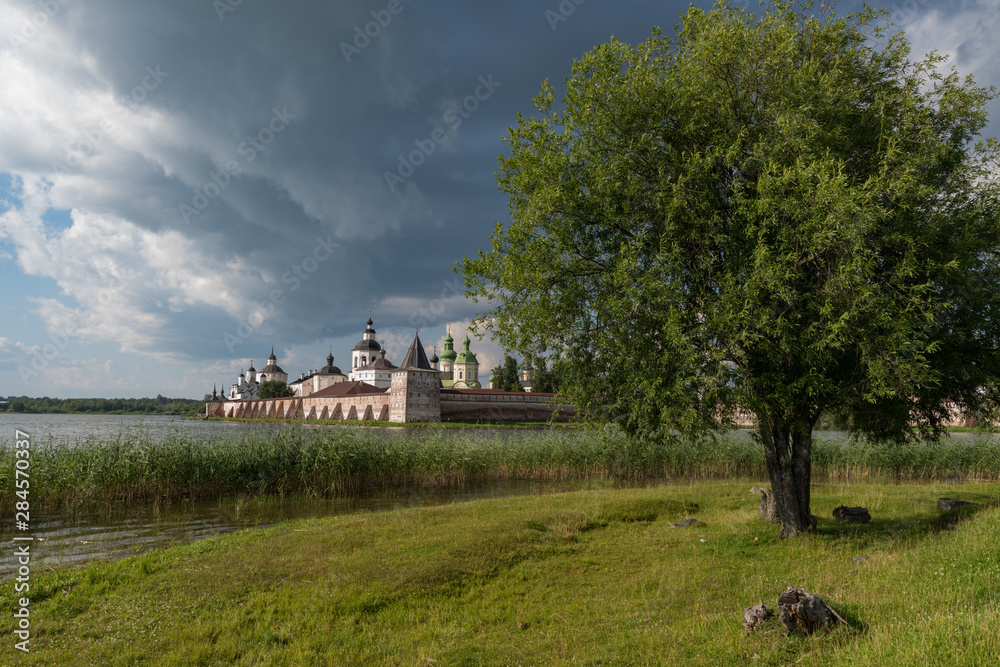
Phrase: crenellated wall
(451,405)
(473,404)
(366,406)
(413,398)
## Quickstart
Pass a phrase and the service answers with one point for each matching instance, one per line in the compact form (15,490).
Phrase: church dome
(448,353)
(381,363)
(272,365)
(330,369)
(466,356)
(370,344)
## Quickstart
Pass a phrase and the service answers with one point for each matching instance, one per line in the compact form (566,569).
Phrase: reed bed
(134,467)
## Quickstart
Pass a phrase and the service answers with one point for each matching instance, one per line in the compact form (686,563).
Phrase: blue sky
(184,184)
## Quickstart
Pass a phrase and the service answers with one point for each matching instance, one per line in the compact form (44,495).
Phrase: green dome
(465,356)
(449,354)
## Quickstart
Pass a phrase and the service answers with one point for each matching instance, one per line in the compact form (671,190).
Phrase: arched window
(460,375)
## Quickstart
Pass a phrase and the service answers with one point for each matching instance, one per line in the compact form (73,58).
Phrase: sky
(186,184)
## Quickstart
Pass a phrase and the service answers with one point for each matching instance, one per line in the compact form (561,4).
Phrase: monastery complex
(420,389)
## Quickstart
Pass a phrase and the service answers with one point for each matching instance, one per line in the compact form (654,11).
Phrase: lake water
(77,428)
(70,539)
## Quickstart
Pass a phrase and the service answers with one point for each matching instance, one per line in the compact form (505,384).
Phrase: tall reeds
(135,467)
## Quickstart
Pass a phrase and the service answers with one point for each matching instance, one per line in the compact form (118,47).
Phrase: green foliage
(273,389)
(548,380)
(120,406)
(782,213)
(506,375)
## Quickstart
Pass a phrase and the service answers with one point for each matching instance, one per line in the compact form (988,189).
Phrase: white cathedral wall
(379,378)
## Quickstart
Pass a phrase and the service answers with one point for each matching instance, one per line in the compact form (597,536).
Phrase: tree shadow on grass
(849,612)
(877,531)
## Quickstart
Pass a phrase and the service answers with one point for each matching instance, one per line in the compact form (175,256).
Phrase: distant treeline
(161,405)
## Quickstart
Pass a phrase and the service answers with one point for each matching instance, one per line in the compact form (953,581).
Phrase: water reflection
(114,533)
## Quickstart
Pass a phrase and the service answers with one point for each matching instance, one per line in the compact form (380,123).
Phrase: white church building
(369,367)
(247,384)
(368,362)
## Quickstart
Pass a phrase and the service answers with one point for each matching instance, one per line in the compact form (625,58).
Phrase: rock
(686,523)
(858,559)
(754,616)
(948,504)
(846,514)
(804,612)
(768,509)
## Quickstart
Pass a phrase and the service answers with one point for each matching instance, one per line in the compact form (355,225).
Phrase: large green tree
(777,213)
(506,377)
(274,389)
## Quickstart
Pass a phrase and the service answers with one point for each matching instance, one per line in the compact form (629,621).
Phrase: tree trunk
(801,611)
(788,451)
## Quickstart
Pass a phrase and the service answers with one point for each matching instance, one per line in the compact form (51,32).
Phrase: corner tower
(415,388)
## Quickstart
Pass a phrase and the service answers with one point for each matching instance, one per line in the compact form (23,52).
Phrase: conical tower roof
(415,356)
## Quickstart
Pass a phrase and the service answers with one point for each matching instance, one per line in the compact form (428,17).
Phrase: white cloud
(125,280)
(967,35)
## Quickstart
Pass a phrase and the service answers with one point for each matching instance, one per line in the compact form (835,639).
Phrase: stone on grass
(686,523)
(801,611)
(948,504)
(755,615)
(846,514)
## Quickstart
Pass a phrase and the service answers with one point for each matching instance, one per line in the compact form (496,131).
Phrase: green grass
(301,461)
(586,578)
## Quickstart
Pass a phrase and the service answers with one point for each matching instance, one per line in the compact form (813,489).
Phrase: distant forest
(161,405)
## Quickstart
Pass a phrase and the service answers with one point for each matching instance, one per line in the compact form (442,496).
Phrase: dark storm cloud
(269,133)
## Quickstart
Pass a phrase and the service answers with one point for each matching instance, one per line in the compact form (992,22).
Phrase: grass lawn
(593,577)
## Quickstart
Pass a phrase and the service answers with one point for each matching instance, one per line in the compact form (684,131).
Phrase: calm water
(78,428)
(108,535)
(63,539)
